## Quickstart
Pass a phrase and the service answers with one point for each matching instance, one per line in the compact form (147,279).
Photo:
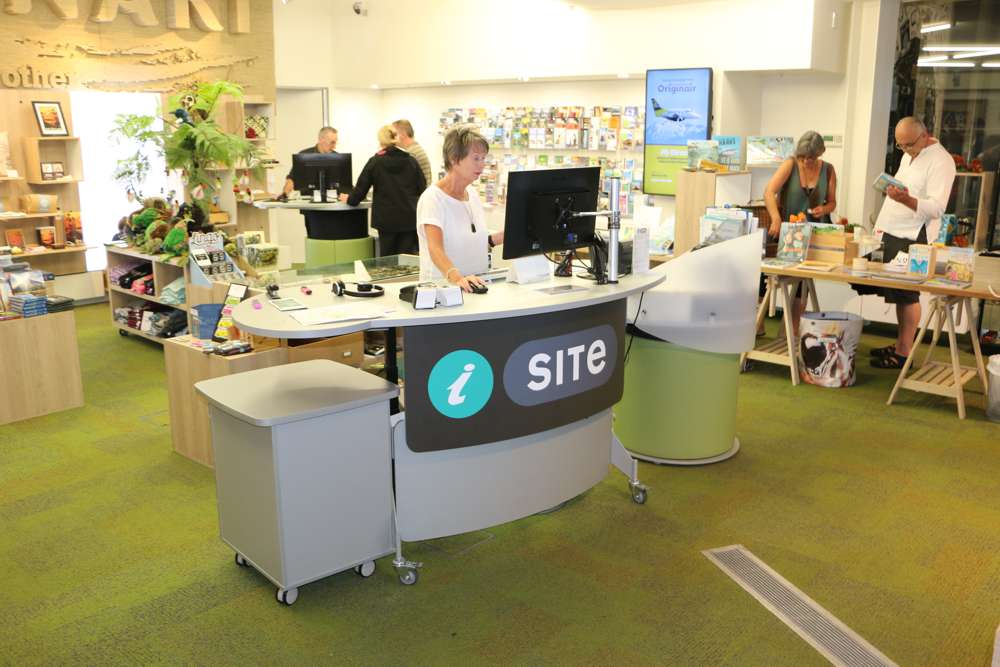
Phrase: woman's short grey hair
(459,142)
(810,145)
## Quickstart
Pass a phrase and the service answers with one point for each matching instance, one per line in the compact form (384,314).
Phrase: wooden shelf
(56,138)
(58,181)
(11,178)
(60,251)
(28,216)
(146,297)
(136,332)
(132,252)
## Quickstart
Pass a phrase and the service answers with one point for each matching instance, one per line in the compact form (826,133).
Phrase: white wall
(481,40)
(780,66)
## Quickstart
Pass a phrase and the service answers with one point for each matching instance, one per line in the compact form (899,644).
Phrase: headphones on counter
(364,290)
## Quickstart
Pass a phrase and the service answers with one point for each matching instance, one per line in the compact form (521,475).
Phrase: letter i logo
(460,384)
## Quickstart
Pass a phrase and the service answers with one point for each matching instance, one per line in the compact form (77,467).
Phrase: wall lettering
(64,9)
(179,13)
(30,77)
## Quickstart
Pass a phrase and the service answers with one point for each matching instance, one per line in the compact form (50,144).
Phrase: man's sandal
(883,351)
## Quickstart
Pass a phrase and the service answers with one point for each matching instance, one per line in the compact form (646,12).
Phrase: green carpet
(887,516)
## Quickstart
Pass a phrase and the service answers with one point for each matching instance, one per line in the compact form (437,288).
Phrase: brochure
(884,180)
(769,150)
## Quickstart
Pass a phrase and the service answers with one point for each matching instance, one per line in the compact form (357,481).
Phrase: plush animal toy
(175,243)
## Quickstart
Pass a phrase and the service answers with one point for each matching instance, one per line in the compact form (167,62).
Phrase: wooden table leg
(761,312)
(813,296)
(935,304)
(772,285)
(788,294)
(974,335)
(956,368)
(937,326)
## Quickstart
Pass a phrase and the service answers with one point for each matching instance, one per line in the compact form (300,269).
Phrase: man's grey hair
(327,130)
(912,121)
(459,141)
(811,145)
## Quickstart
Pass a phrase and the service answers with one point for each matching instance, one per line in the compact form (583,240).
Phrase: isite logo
(460,384)
(549,369)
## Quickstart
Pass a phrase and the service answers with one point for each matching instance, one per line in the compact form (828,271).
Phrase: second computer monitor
(540,205)
(335,168)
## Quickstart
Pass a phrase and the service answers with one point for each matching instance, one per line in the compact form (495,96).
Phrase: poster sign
(678,109)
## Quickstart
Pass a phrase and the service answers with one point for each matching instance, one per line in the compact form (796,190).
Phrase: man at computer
(329,225)
(326,142)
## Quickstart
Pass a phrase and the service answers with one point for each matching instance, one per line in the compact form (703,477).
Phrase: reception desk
(508,397)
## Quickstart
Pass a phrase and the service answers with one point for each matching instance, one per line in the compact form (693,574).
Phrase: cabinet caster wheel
(287,596)
(122,333)
(408,576)
(366,569)
(639,494)
(241,561)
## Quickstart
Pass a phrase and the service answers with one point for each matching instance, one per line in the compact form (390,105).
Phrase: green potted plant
(191,140)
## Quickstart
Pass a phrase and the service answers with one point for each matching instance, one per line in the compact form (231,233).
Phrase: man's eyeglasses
(906,147)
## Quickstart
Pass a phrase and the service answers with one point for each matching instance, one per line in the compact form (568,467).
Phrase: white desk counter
(310,205)
(502,301)
(508,397)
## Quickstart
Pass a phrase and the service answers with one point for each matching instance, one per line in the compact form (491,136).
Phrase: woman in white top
(451,224)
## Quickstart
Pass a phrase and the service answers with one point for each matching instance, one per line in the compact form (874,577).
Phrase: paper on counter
(330,314)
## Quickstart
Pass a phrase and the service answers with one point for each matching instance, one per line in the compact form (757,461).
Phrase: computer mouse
(479,289)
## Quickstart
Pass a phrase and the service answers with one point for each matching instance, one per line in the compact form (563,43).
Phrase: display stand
(41,366)
(696,191)
(164,272)
(28,152)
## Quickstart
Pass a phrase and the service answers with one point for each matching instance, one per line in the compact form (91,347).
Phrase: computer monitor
(539,210)
(322,171)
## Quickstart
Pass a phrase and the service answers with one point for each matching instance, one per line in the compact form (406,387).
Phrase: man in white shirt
(928,171)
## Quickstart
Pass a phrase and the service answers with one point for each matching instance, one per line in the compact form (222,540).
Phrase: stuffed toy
(154,235)
(175,243)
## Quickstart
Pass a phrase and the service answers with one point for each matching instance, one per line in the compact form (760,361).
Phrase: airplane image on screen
(675,115)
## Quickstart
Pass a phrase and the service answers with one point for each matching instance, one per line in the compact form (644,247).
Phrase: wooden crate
(834,247)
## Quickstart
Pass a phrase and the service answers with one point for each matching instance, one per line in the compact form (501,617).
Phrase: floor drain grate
(834,640)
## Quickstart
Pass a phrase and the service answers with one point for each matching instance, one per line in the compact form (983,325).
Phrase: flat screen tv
(678,108)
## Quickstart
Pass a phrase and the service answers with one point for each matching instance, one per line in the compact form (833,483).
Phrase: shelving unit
(28,151)
(164,273)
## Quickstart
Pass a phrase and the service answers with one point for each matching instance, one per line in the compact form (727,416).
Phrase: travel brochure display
(769,150)
(565,128)
(577,128)
(678,110)
(702,150)
(730,150)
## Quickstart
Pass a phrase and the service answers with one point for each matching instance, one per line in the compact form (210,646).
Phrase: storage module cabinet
(303,470)
(41,366)
(28,151)
(163,274)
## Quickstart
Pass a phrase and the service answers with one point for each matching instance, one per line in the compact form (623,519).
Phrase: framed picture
(47,172)
(46,236)
(50,119)
(73,227)
(57,169)
(14,237)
